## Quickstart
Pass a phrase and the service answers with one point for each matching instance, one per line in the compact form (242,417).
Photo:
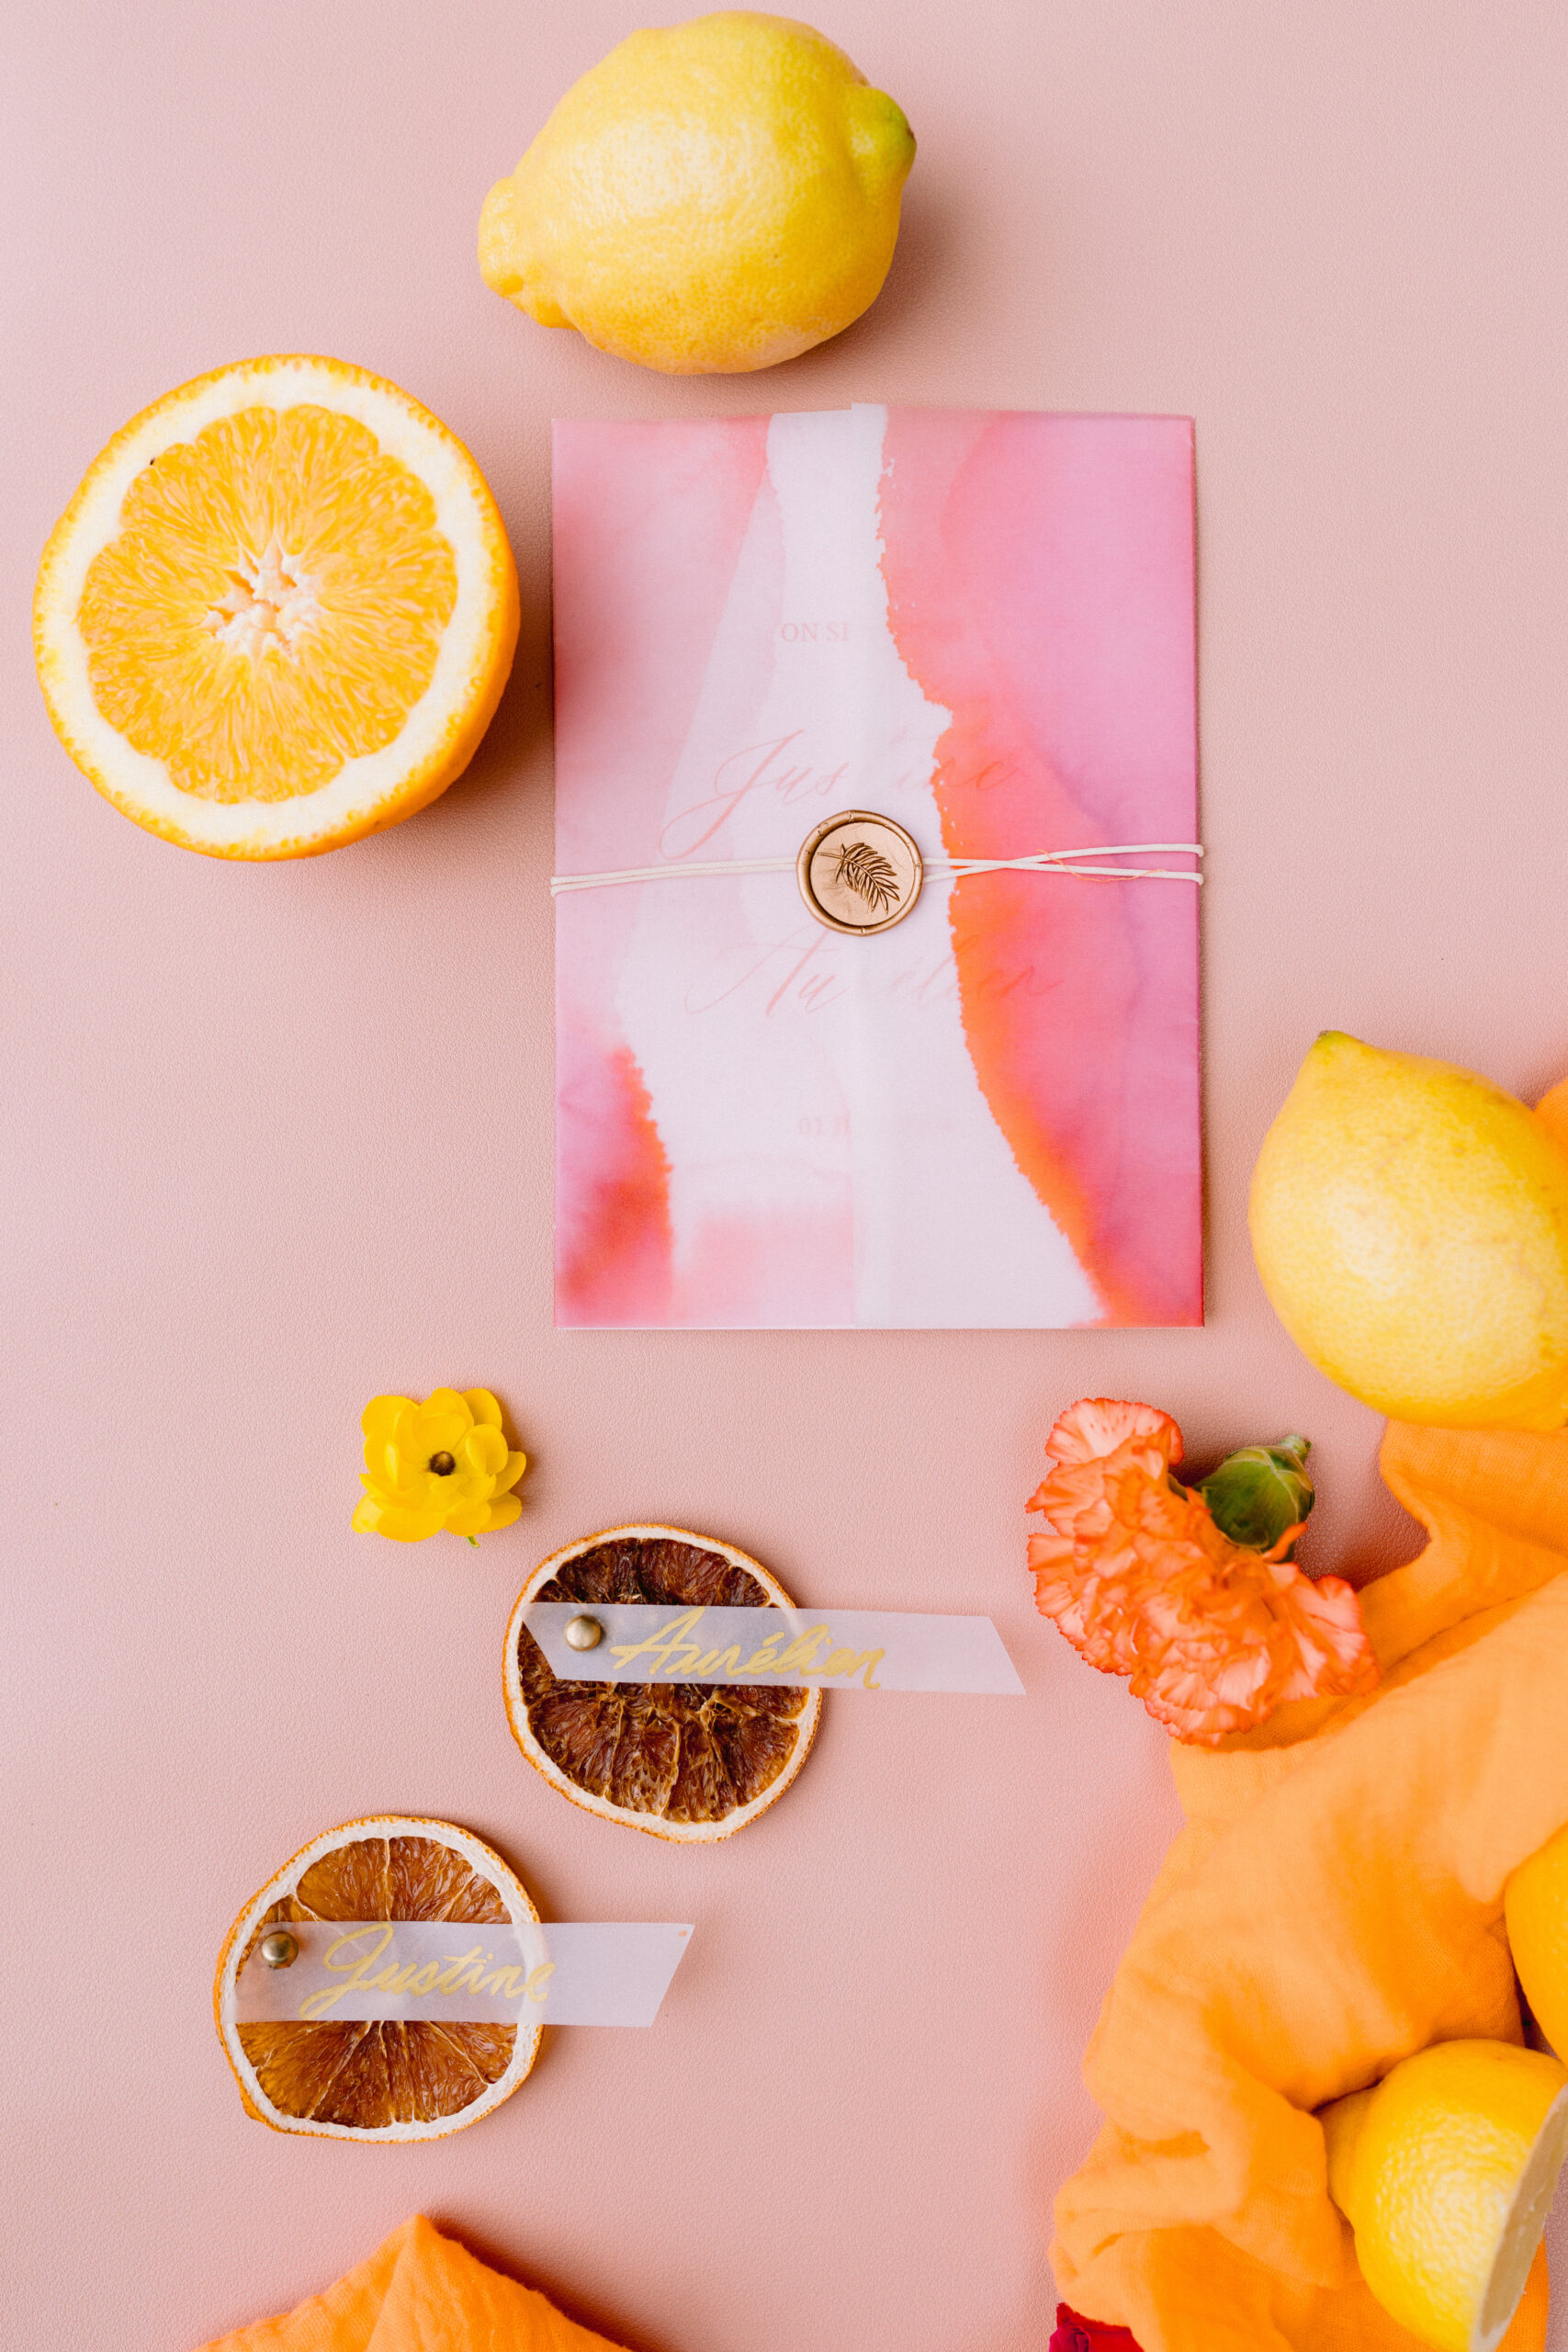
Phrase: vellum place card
(838,1058)
(838,1649)
(600,1972)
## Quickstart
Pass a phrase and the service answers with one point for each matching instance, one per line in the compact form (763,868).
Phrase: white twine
(1045,861)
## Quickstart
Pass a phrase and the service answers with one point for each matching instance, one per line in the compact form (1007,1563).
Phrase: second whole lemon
(1410,1222)
(709,198)
(1445,2171)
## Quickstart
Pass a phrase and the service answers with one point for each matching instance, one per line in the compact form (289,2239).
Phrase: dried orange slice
(350,2079)
(278,613)
(693,1761)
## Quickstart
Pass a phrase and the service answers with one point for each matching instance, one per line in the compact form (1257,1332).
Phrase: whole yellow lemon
(1535,1908)
(706,199)
(1445,2171)
(1410,1222)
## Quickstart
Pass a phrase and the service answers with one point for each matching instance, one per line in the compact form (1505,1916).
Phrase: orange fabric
(1332,1904)
(419,2292)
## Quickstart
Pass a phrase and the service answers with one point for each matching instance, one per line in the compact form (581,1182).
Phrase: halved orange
(279,611)
(692,1762)
(353,2079)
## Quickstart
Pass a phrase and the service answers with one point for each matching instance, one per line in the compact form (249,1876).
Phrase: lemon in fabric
(1445,2173)
(709,198)
(1410,1222)
(1535,1910)
(278,613)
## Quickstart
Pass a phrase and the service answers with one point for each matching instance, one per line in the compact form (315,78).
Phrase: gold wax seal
(858,872)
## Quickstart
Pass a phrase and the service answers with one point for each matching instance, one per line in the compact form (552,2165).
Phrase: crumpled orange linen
(1333,1904)
(419,2292)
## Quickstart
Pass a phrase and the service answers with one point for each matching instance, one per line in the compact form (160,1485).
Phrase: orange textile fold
(1332,1904)
(419,2292)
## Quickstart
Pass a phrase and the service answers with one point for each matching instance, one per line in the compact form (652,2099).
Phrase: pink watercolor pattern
(1038,578)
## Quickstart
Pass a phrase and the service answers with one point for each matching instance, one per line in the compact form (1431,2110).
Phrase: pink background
(279,1137)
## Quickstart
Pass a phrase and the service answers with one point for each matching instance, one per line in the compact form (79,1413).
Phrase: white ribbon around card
(609,1973)
(834,1649)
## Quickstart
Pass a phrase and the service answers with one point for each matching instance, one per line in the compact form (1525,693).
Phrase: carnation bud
(1255,1495)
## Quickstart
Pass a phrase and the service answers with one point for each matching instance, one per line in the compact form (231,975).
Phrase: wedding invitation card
(877,1073)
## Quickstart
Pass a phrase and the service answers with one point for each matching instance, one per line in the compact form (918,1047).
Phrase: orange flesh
(273,604)
(371,2075)
(680,1751)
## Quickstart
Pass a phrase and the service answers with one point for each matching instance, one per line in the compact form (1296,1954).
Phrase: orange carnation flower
(1211,1634)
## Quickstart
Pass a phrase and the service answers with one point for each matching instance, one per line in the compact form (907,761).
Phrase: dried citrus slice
(693,1761)
(278,613)
(350,2079)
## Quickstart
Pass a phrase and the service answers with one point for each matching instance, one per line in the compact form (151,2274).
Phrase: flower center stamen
(269,606)
(442,1465)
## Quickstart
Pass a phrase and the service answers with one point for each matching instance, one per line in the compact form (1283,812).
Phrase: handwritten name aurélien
(677,1655)
(469,1971)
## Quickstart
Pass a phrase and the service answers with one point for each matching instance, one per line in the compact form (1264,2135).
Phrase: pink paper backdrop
(276,1138)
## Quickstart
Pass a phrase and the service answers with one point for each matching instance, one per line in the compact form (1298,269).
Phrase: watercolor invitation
(979,626)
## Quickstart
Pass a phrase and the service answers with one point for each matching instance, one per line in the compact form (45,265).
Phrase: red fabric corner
(1076,2335)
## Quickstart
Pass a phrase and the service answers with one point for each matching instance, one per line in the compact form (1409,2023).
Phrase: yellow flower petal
(515,1465)
(483,1407)
(470,1520)
(366,1515)
(412,1492)
(441,1424)
(417,1499)
(484,1450)
(409,1526)
(502,1512)
(380,1416)
(448,1400)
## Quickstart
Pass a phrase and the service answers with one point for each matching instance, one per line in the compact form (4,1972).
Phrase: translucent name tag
(849,1649)
(584,1973)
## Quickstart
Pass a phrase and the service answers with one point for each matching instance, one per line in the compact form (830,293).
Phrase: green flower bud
(1255,1495)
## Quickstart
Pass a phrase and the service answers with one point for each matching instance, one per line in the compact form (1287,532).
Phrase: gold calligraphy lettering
(670,1643)
(355,1966)
(800,1656)
(868,1658)
(447,1981)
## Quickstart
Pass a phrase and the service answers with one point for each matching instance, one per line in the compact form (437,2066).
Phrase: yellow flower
(442,1464)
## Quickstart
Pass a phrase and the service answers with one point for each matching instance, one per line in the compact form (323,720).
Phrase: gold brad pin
(858,872)
(583,1634)
(279,1950)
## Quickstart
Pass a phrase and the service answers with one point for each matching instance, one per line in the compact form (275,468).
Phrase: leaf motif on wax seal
(866,872)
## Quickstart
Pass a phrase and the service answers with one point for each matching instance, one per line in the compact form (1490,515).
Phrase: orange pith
(272,606)
(278,613)
(388,2079)
(688,1761)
